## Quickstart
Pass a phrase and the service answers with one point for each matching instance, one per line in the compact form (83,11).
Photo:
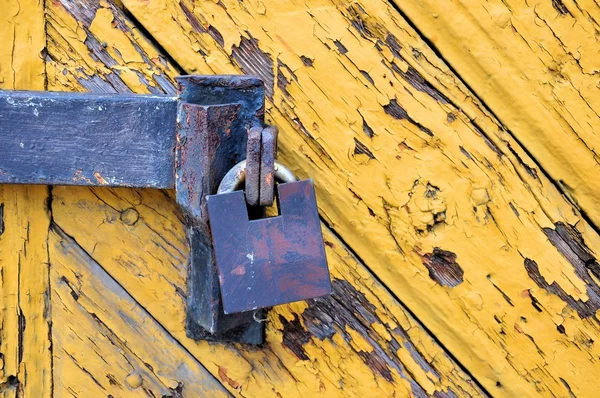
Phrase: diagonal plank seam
(387,289)
(559,185)
(405,307)
(488,140)
(56,228)
(153,42)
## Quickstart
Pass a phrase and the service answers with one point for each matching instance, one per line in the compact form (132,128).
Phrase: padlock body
(270,261)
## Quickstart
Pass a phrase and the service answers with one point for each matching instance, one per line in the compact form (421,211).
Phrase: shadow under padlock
(268,261)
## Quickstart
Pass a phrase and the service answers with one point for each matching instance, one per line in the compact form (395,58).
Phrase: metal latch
(190,143)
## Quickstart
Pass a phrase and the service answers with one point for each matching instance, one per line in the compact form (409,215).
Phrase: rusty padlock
(268,261)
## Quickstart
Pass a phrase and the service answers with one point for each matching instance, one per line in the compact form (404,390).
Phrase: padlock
(268,261)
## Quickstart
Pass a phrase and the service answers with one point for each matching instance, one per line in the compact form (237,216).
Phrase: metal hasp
(214,115)
(187,143)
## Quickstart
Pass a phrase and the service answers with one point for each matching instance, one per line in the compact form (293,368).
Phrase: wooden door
(453,146)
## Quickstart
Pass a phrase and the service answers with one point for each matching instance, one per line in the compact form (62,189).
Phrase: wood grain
(361,338)
(97,324)
(360,342)
(535,64)
(25,344)
(409,161)
(458,181)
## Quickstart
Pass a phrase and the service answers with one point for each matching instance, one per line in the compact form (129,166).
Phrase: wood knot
(480,196)
(427,208)
(134,380)
(130,216)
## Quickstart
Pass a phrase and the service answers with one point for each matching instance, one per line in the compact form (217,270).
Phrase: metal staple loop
(253,161)
(261,153)
(235,177)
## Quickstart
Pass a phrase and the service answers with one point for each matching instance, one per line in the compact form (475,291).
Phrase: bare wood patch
(443,267)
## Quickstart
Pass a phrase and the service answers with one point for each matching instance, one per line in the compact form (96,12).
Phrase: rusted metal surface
(268,155)
(205,317)
(248,91)
(260,167)
(187,143)
(214,116)
(269,261)
(207,146)
(253,155)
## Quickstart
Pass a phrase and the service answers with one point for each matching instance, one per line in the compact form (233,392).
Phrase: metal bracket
(188,142)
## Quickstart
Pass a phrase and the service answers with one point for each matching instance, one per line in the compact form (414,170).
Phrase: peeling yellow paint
(123,63)
(96,325)
(22,35)
(535,64)
(153,277)
(25,364)
(406,158)
(433,131)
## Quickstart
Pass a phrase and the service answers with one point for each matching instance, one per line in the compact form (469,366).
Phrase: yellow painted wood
(127,232)
(536,65)
(105,343)
(354,117)
(24,316)
(25,360)
(410,157)
(23,40)
(369,345)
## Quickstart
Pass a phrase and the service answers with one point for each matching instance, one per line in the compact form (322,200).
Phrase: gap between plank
(181,70)
(58,230)
(439,54)
(406,308)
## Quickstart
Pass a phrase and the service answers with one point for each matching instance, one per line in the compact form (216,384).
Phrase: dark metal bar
(87,139)
(187,143)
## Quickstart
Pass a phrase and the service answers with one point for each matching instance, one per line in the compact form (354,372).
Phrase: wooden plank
(25,346)
(100,57)
(51,138)
(97,324)
(24,317)
(23,37)
(361,338)
(407,160)
(359,343)
(535,65)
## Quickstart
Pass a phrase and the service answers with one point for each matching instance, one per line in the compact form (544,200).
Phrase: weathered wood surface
(370,345)
(434,180)
(409,161)
(25,342)
(535,65)
(97,324)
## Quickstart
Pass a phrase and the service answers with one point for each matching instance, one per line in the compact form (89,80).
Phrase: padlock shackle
(235,177)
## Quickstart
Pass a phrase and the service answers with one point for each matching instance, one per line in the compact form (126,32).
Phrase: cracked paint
(444,167)
(496,198)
